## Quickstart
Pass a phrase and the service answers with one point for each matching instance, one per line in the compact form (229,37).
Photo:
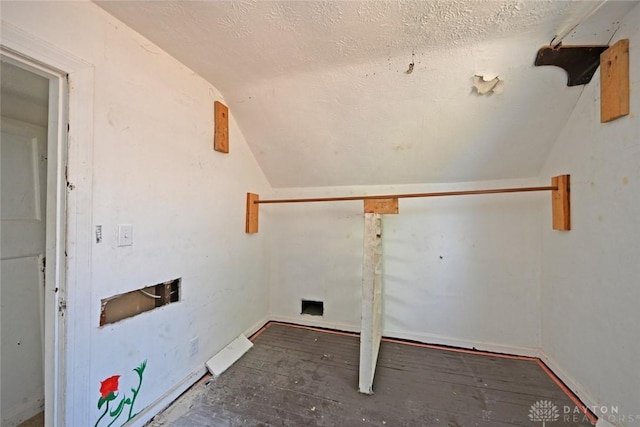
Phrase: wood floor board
(300,377)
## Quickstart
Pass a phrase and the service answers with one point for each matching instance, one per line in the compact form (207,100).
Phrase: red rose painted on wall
(109,393)
(110,385)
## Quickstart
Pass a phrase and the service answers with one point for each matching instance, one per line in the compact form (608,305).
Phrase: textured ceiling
(323,93)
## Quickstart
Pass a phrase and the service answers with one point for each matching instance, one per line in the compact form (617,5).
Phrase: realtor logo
(543,410)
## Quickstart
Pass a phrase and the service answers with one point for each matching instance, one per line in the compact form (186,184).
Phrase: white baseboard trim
(467,344)
(229,355)
(257,326)
(317,321)
(167,399)
(579,390)
(569,381)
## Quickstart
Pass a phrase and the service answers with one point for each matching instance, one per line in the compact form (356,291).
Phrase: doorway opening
(32,157)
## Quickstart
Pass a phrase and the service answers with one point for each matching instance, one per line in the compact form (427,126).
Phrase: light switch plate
(125,235)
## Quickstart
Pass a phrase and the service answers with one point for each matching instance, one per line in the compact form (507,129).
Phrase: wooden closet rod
(414,195)
(388,203)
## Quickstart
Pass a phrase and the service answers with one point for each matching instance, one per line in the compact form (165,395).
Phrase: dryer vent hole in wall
(119,307)
(313,308)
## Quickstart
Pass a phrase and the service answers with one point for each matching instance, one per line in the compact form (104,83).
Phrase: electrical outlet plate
(125,235)
(194,346)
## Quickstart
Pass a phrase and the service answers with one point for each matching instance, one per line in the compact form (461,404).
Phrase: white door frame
(68,241)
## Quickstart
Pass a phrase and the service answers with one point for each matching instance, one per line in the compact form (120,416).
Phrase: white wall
(590,277)
(461,271)
(154,167)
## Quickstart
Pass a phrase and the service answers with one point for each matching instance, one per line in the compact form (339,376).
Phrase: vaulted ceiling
(381,92)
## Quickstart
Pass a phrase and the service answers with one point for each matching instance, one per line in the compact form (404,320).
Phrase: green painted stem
(133,399)
(114,420)
(103,414)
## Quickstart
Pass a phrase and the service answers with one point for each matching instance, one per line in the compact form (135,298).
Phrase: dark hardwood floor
(300,377)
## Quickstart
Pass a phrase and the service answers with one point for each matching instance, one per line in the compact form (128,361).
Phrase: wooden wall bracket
(580,62)
(381,206)
(221,133)
(614,82)
(253,209)
(560,203)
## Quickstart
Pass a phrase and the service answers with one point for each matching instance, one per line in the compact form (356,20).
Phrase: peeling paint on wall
(486,85)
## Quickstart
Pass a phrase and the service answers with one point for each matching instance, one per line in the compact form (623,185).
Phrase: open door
(31,211)
(23,156)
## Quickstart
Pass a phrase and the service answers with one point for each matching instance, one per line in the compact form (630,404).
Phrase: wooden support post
(614,81)
(561,207)
(251,223)
(221,134)
(371,331)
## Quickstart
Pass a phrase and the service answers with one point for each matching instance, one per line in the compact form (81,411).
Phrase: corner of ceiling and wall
(376,93)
